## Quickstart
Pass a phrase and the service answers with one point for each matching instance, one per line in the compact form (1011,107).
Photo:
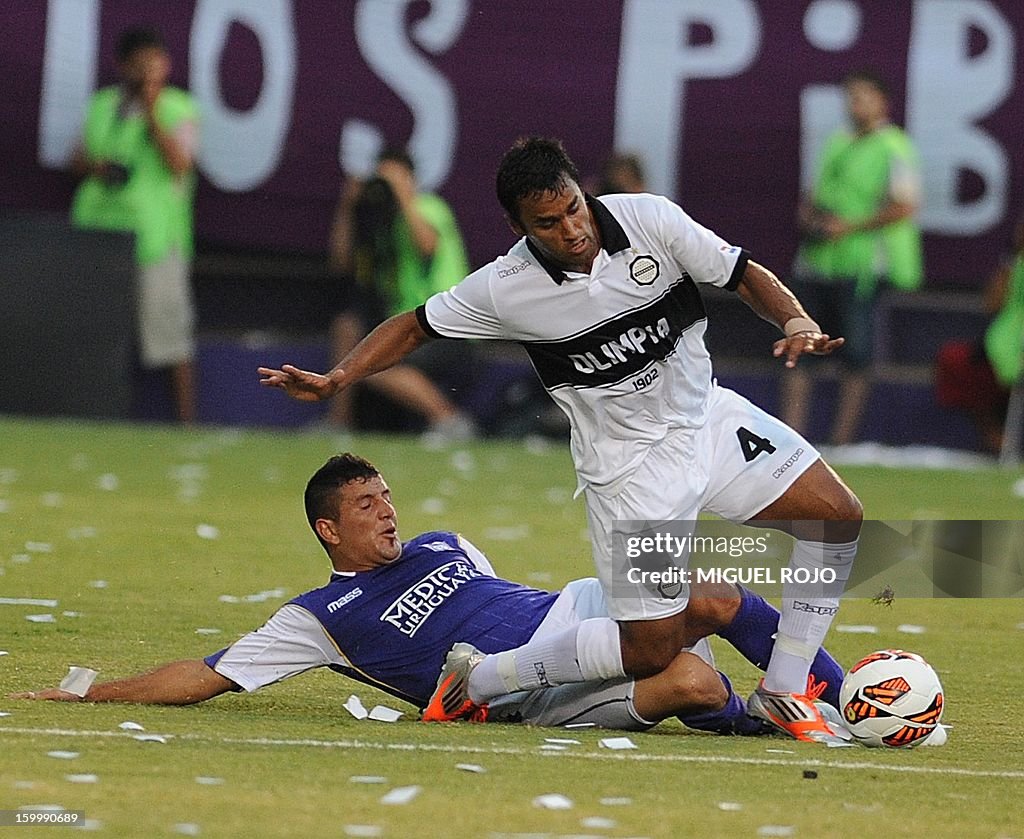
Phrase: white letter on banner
(655,65)
(380,33)
(239,150)
(948,92)
(69,76)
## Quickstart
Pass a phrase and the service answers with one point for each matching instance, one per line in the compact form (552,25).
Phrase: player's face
(560,226)
(367,524)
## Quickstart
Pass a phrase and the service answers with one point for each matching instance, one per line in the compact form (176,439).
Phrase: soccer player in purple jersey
(392,610)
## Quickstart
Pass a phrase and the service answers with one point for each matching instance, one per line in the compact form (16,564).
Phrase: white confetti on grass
(5,713)
(99,584)
(28,601)
(62,755)
(39,547)
(88,824)
(51,499)
(621,801)
(401,795)
(911,629)
(207,531)
(5,505)
(4,652)
(730,806)
(616,743)
(553,801)
(368,779)
(187,829)
(562,741)
(84,532)
(598,823)
(207,630)
(354,705)
(856,628)
(364,830)
(45,618)
(150,738)
(129,725)
(82,779)
(20,559)
(507,534)
(432,507)
(475,768)
(381,713)
(208,781)
(553,747)
(78,680)
(776,830)
(108,482)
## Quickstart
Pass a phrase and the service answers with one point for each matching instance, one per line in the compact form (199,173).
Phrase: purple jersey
(392,626)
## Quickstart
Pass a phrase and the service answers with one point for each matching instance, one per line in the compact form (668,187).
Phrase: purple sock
(752,632)
(730,719)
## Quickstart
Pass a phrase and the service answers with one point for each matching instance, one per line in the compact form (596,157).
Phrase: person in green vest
(857,233)
(136,159)
(977,375)
(395,246)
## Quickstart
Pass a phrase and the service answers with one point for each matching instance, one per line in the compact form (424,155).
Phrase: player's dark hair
(320,497)
(868,77)
(132,40)
(533,166)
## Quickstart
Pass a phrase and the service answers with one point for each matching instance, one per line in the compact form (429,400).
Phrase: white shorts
(740,461)
(606,704)
(166,315)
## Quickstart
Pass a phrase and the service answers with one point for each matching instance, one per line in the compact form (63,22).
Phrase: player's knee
(711,608)
(699,688)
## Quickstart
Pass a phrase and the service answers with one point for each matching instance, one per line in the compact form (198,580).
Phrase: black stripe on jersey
(421,317)
(621,346)
(737,270)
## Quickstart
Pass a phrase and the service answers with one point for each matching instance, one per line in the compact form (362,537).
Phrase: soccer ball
(891,698)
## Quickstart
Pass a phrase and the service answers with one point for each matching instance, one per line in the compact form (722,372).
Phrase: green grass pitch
(80,503)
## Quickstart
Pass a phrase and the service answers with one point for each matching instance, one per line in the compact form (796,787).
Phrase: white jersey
(621,350)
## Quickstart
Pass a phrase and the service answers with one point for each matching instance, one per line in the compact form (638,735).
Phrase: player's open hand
(299,384)
(813,343)
(53,694)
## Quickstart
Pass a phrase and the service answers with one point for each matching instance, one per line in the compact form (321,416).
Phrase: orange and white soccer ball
(891,698)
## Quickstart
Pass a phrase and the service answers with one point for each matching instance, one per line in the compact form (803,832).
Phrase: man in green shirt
(136,160)
(396,246)
(858,231)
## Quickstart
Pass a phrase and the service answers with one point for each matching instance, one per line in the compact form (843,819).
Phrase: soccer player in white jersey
(603,294)
(392,610)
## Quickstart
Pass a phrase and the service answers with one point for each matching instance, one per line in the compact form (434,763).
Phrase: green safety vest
(1004,338)
(418,277)
(853,184)
(154,204)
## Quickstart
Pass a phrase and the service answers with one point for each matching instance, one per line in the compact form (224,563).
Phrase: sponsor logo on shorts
(334,605)
(514,269)
(418,602)
(793,458)
(644,270)
(542,674)
(800,606)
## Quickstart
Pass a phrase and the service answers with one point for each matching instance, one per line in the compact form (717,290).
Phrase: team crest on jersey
(644,270)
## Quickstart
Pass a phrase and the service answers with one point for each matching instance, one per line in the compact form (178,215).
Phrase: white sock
(586,652)
(807,612)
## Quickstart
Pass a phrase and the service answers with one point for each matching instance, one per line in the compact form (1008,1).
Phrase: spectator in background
(136,160)
(621,173)
(977,376)
(396,246)
(857,231)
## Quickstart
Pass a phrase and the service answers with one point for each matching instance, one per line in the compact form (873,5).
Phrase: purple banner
(726,102)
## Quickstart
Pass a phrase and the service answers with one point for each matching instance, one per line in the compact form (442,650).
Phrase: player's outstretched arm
(771,300)
(178,683)
(388,344)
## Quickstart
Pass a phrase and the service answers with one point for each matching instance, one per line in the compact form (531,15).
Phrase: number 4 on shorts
(751,445)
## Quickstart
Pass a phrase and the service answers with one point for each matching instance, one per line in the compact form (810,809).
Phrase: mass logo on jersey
(644,270)
(418,602)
